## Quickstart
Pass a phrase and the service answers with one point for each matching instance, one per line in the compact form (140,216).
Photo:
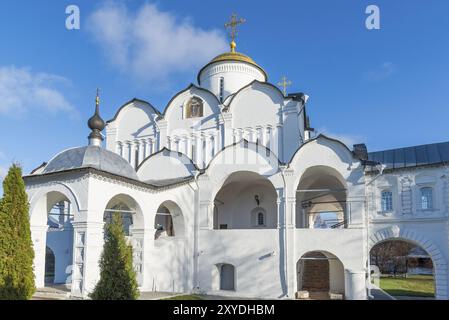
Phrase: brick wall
(315,273)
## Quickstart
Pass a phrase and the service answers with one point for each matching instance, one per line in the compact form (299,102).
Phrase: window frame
(187,114)
(421,198)
(386,208)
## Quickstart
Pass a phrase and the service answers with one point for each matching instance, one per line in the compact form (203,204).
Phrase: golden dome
(233,56)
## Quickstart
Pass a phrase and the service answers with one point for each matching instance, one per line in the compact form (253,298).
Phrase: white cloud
(381,72)
(22,90)
(348,139)
(149,43)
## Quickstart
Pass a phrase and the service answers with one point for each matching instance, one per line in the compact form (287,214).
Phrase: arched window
(260,219)
(194,108)
(221,89)
(426,198)
(387,201)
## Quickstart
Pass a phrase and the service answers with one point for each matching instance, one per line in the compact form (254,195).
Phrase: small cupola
(96,124)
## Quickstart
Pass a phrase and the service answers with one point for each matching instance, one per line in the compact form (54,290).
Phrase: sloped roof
(91,157)
(428,154)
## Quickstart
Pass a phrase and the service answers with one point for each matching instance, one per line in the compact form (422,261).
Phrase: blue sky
(388,88)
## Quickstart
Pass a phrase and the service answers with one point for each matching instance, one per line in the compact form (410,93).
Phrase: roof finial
(233,26)
(96,124)
(284,83)
(97,100)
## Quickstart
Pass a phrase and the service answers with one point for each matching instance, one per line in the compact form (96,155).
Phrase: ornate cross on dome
(284,83)
(233,26)
(97,98)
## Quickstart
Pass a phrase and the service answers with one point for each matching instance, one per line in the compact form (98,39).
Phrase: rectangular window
(387,201)
(426,198)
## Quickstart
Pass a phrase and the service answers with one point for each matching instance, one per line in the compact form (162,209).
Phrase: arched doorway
(321,275)
(246,200)
(59,240)
(402,269)
(321,199)
(133,224)
(49,266)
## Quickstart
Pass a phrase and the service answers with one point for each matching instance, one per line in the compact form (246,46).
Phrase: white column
(290,213)
(133,153)
(202,150)
(280,142)
(240,134)
(169,143)
(144,144)
(139,149)
(139,238)
(268,137)
(184,148)
(355,285)
(260,135)
(151,146)
(251,135)
(189,147)
(119,148)
(128,151)
(228,136)
(217,143)
(162,136)
(39,239)
(211,147)
(88,246)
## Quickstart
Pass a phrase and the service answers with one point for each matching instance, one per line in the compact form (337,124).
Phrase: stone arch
(322,273)
(37,219)
(313,202)
(239,157)
(440,265)
(58,201)
(136,230)
(332,153)
(131,203)
(240,197)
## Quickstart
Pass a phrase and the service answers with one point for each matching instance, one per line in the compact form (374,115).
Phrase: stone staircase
(54,292)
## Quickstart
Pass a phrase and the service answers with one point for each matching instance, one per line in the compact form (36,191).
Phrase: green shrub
(16,248)
(117,276)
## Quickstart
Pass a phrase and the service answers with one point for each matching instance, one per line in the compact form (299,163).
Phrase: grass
(413,286)
(185,297)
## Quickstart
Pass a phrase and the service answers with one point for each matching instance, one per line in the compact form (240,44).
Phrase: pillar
(355,285)
(88,246)
(228,135)
(39,239)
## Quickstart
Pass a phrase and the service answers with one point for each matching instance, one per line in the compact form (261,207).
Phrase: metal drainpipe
(382,167)
(195,233)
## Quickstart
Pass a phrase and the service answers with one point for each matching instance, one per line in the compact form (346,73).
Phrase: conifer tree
(16,248)
(117,276)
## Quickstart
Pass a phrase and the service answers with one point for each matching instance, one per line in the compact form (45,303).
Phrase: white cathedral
(230,192)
